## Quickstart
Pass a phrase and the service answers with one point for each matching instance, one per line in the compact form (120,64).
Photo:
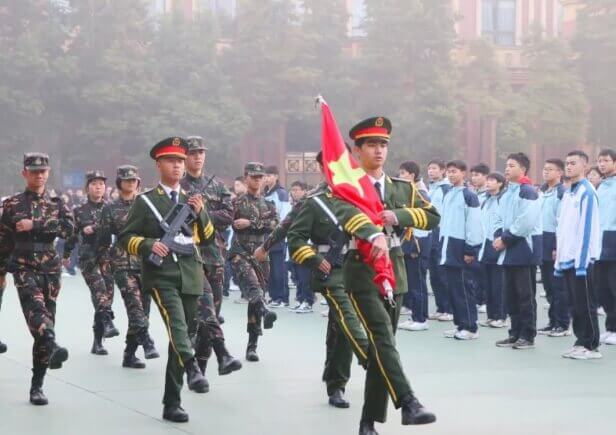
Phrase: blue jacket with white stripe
(550,206)
(606,194)
(461,232)
(519,226)
(489,217)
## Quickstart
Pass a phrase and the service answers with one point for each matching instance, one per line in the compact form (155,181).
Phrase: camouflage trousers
(207,327)
(99,278)
(37,295)
(215,275)
(248,281)
(129,283)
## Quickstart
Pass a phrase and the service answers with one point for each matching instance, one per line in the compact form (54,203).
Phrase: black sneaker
(522,343)
(545,331)
(507,342)
(559,332)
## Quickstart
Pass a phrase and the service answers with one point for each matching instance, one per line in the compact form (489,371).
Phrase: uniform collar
(381,181)
(168,189)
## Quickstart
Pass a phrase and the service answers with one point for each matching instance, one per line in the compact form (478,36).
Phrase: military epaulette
(319,190)
(146,191)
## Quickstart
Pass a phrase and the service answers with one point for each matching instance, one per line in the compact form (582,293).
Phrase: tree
(595,43)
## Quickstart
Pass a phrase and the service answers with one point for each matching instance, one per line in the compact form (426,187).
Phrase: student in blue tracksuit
(479,178)
(461,237)
(518,239)
(416,249)
(578,245)
(551,195)
(605,267)
(488,256)
(437,188)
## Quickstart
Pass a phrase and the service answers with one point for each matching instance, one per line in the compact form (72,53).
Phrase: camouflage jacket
(217,200)
(93,246)
(33,250)
(114,217)
(263,219)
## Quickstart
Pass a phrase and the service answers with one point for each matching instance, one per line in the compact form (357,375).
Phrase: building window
(357,10)
(498,21)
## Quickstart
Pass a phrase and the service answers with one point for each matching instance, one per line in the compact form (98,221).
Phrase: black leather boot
(130,359)
(149,350)
(194,378)
(226,363)
(366,427)
(337,399)
(269,317)
(57,354)
(110,329)
(413,412)
(3,347)
(251,349)
(99,331)
(37,397)
(175,414)
(202,363)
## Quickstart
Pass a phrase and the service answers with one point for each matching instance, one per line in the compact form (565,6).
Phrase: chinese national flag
(350,183)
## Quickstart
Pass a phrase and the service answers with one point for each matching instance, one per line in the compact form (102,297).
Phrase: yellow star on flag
(343,172)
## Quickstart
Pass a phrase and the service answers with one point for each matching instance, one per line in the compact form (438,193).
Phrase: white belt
(183,240)
(393,241)
(324,249)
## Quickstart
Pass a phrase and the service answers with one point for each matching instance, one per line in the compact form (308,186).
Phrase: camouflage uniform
(32,259)
(252,275)
(127,274)
(217,199)
(95,265)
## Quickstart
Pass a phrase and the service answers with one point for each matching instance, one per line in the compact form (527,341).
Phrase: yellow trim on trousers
(344,325)
(165,314)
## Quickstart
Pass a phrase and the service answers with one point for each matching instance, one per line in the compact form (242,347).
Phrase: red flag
(350,183)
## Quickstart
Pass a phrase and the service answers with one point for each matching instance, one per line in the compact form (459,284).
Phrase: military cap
(128,172)
(36,161)
(172,146)
(254,169)
(196,143)
(95,175)
(372,127)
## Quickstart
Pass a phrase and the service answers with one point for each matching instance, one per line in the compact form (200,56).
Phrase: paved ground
(474,387)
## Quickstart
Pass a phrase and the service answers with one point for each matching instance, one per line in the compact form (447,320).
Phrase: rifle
(178,220)
(335,256)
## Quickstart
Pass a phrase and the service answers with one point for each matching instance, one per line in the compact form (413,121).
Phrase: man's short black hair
(481,168)
(458,164)
(319,157)
(271,170)
(412,168)
(556,162)
(608,152)
(581,154)
(522,160)
(299,184)
(439,162)
(498,177)
(240,179)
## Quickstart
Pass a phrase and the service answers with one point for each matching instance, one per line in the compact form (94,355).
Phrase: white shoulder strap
(151,206)
(327,211)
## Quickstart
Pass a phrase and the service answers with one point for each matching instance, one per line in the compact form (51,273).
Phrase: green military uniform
(177,284)
(309,238)
(385,374)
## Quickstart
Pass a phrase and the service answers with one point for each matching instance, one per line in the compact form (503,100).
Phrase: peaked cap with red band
(372,127)
(172,146)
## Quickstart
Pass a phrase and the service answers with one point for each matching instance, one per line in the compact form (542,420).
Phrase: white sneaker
(485,323)
(435,316)
(450,333)
(574,349)
(240,301)
(584,353)
(445,318)
(466,335)
(295,307)
(323,301)
(233,286)
(325,313)
(409,325)
(600,311)
(498,324)
(406,311)
(604,336)
(304,308)
(611,340)
(482,309)
(276,304)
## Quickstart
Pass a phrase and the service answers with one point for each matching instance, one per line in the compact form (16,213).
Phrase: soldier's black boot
(175,414)
(149,351)
(99,331)
(366,427)
(202,363)
(57,354)
(413,412)
(110,329)
(251,349)
(194,378)
(226,363)
(337,399)
(37,397)
(3,347)
(130,359)
(269,317)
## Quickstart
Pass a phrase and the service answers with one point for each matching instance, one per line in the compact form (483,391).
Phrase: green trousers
(384,375)
(345,337)
(178,311)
